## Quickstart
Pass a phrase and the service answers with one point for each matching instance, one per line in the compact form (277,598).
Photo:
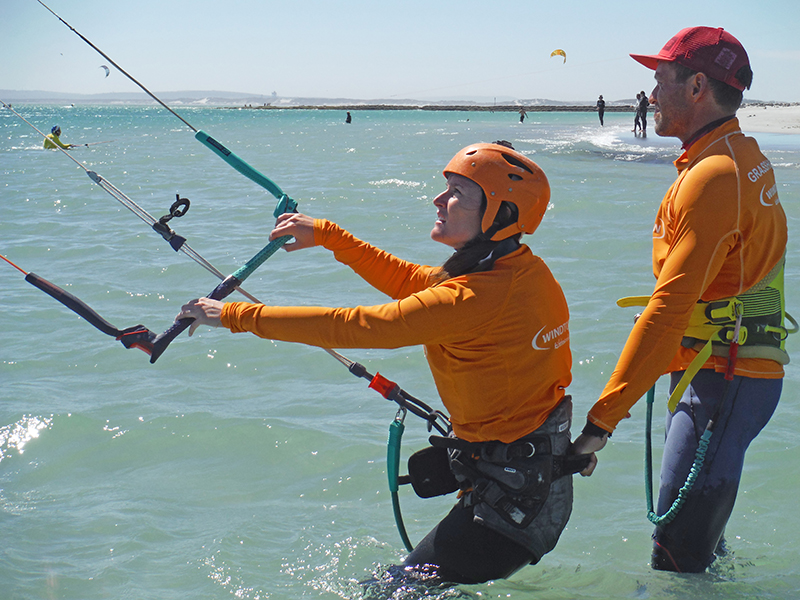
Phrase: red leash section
(137,336)
(13,265)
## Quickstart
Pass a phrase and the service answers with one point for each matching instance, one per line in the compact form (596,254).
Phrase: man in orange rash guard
(719,231)
(494,324)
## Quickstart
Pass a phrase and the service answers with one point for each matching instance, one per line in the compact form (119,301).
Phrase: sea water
(239,467)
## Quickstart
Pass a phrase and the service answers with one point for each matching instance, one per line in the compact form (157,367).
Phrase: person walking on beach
(495,327)
(637,123)
(51,141)
(601,108)
(719,242)
(644,102)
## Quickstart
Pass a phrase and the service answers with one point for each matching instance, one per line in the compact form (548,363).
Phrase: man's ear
(699,86)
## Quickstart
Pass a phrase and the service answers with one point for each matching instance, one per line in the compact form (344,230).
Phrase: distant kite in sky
(107,70)
(559,53)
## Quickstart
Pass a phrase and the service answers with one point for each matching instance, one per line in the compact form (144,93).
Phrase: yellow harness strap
(629,301)
(726,311)
(688,375)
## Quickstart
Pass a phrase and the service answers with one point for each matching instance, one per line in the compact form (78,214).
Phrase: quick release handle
(223,290)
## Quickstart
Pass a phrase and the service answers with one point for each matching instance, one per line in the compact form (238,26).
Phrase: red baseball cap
(710,50)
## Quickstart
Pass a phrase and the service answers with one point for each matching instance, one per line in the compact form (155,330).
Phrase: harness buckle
(726,335)
(724,311)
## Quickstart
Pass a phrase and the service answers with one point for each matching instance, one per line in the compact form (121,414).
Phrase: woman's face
(458,212)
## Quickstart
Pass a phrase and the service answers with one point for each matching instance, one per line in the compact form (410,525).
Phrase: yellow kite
(559,53)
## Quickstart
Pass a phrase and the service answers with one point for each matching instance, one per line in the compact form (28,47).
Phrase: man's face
(672,103)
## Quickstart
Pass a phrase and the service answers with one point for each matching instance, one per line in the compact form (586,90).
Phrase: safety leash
(702,445)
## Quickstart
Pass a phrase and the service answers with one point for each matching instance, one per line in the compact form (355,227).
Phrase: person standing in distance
(601,108)
(637,123)
(719,241)
(644,102)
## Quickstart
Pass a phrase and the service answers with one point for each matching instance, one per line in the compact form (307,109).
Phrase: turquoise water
(238,467)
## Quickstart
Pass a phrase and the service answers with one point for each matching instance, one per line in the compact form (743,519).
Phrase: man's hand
(588,444)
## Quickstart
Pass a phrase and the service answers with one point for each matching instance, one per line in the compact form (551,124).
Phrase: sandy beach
(770,119)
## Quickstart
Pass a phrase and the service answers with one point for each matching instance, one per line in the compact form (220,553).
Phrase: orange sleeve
(385,272)
(701,235)
(438,315)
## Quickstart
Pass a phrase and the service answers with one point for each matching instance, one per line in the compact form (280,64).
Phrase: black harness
(514,479)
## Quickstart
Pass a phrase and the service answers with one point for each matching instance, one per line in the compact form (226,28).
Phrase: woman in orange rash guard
(494,324)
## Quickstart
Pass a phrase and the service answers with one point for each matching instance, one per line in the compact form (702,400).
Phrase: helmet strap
(507,215)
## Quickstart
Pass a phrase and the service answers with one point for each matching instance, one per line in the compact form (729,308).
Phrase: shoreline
(755,118)
(436,107)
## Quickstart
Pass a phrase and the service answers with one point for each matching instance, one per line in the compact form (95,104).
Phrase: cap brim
(648,60)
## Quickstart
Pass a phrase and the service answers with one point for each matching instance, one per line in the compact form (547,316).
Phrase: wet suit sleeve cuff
(594,430)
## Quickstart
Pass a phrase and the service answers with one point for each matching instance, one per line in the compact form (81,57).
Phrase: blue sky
(381,49)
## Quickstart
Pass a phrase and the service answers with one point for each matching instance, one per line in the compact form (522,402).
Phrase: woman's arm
(394,277)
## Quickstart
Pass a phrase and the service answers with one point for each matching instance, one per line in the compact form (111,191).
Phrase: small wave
(614,143)
(228,579)
(16,435)
(396,183)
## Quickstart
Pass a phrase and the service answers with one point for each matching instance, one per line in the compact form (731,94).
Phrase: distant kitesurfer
(719,244)
(601,108)
(52,140)
(522,115)
(348,118)
(495,327)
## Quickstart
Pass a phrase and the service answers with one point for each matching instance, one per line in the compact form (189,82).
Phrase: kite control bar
(224,289)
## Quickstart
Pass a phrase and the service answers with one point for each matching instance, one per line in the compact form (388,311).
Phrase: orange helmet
(504,175)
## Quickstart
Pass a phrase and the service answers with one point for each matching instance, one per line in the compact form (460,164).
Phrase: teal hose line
(398,519)
(694,472)
(393,473)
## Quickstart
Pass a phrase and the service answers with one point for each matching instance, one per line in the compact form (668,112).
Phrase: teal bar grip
(286,205)
(251,265)
(238,164)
